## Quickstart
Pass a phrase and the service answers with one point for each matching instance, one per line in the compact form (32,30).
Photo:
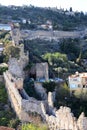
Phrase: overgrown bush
(13,123)
(71,47)
(34,127)
(49,86)
(3,69)
(29,88)
(11,51)
(7,116)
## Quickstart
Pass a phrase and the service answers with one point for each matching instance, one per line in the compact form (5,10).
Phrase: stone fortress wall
(16,66)
(57,119)
(65,120)
(20,104)
(61,119)
(49,35)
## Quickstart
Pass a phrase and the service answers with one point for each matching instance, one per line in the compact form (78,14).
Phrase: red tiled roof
(5,128)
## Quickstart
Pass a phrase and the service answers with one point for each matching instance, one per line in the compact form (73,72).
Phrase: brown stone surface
(5,128)
(42,71)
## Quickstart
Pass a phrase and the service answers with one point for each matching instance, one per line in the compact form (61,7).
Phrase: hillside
(52,51)
(59,18)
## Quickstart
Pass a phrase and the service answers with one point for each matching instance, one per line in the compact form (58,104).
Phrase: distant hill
(61,20)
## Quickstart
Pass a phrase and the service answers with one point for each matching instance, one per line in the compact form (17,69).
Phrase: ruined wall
(16,36)
(49,35)
(61,119)
(40,90)
(13,94)
(65,120)
(42,71)
(16,66)
(20,105)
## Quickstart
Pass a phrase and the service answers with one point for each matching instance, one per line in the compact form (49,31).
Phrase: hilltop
(61,20)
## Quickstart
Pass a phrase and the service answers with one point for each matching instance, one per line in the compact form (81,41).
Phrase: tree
(11,51)
(49,86)
(70,9)
(62,91)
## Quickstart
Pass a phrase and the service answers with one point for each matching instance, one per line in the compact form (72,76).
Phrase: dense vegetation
(12,51)
(49,86)
(77,102)
(3,69)
(29,88)
(71,47)
(34,127)
(7,116)
(37,15)
(64,57)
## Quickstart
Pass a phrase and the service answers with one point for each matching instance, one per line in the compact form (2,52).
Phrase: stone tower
(42,71)
(16,66)
(16,36)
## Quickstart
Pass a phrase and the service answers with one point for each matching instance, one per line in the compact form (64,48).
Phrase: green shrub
(3,69)
(13,123)
(3,94)
(49,86)
(29,88)
(12,51)
(34,127)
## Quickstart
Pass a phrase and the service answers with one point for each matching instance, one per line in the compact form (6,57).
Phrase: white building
(1,48)
(77,81)
(24,21)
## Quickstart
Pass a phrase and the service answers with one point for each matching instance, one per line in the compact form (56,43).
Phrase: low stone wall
(34,106)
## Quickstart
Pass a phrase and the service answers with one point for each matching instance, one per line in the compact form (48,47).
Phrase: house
(47,26)
(78,81)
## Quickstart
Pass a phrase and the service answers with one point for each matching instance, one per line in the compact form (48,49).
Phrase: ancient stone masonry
(57,120)
(61,119)
(42,71)
(65,120)
(16,36)
(22,105)
(16,66)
